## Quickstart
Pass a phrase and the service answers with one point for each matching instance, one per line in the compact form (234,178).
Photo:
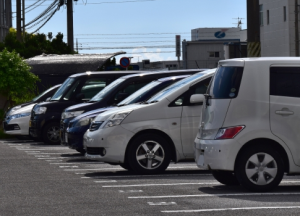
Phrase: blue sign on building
(220,34)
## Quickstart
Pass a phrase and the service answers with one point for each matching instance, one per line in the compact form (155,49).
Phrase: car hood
(81,106)
(105,115)
(24,109)
(92,113)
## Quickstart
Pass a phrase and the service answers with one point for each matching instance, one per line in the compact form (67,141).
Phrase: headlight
(66,115)
(20,115)
(40,110)
(84,122)
(116,119)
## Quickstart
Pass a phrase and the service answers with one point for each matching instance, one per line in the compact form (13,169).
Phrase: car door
(285,107)
(190,117)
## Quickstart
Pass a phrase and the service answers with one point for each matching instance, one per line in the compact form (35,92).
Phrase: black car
(114,93)
(40,98)
(78,88)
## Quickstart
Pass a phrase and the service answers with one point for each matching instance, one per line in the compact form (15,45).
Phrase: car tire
(225,177)
(149,154)
(51,133)
(81,150)
(259,168)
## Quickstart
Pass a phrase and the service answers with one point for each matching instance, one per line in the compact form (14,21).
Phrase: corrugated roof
(68,64)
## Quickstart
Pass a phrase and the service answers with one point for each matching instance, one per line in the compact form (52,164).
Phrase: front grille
(96,125)
(94,151)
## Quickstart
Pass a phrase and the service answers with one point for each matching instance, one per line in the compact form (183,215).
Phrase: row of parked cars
(240,120)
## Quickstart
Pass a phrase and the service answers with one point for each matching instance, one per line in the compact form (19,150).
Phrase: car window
(284,81)
(128,90)
(62,89)
(92,86)
(184,99)
(70,95)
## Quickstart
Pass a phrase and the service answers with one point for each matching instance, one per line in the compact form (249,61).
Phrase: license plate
(200,161)
(66,137)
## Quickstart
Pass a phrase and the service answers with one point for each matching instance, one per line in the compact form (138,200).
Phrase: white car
(249,134)
(17,121)
(146,137)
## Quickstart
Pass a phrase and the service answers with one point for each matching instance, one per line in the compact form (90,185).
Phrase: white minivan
(249,133)
(145,137)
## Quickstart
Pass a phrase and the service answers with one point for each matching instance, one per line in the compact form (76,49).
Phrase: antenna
(239,23)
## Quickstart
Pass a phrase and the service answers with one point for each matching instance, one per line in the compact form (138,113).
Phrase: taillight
(229,133)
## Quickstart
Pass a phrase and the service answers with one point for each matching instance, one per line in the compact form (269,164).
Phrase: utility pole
(19,37)
(70,24)
(296,29)
(253,25)
(23,17)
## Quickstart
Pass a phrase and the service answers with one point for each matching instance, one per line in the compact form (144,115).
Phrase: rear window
(226,83)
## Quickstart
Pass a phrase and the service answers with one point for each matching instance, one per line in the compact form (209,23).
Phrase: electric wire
(33,4)
(41,2)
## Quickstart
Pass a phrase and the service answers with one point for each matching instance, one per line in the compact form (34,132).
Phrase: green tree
(17,83)
(35,44)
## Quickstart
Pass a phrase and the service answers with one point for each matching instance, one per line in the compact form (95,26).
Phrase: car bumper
(21,123)
(35,128)
(215,154)
(114,140)
(74,137)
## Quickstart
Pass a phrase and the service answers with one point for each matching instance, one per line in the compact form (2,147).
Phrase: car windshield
(62,89)
(42,94)
(110,87)
(135,97)
(169,90)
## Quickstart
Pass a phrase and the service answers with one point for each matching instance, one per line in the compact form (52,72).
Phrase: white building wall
(278,36)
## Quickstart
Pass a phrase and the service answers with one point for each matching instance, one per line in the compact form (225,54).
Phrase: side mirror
(80,96)
(196,99)
(48,99)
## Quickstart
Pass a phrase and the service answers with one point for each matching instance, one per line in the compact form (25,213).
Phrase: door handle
(284,112)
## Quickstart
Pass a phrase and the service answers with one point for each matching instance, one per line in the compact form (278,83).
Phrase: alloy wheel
(150,155)
(261,168)
(53,133)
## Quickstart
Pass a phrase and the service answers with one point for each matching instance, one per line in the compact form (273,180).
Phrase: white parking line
(53,160)
(41,149)
(162,203)
(130,191)
(73,163)
(171,184)
(117,169)
(68,166)
(39,153)
(105,181)
(213,195)
(189,183)
(231,209)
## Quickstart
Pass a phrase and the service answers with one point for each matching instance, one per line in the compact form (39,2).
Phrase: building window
(284,13)
(214,54)
(268,17)
(261,15)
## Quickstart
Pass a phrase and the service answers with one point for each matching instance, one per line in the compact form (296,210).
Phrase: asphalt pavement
(39,179)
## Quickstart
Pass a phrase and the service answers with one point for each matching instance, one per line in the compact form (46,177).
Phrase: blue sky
(139,24)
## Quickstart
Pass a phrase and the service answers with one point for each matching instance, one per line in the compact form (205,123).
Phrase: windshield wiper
(155,101)
(143,102)
(122,105)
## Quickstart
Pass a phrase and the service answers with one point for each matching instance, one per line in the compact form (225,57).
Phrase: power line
(140,33)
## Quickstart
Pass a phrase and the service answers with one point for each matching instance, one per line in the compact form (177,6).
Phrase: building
(277,28)
(159,65)
(210,45)
(5,18)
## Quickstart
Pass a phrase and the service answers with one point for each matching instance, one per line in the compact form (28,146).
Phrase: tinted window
(92,86)
(226,82)
(184,99)
(285,81)
(44,93)
(62,89)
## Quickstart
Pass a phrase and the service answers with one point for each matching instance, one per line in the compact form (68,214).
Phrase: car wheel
(225,177)
(260,168)
(81,150)
(51,133)
(149,154)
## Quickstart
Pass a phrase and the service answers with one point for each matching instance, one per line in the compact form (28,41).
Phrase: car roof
(165,79)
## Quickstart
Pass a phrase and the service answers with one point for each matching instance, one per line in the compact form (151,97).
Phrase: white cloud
(141,54)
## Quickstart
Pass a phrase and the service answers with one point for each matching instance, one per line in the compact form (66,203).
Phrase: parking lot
(39,179)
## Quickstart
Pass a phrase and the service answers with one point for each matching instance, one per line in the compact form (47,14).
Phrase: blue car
(79,125)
